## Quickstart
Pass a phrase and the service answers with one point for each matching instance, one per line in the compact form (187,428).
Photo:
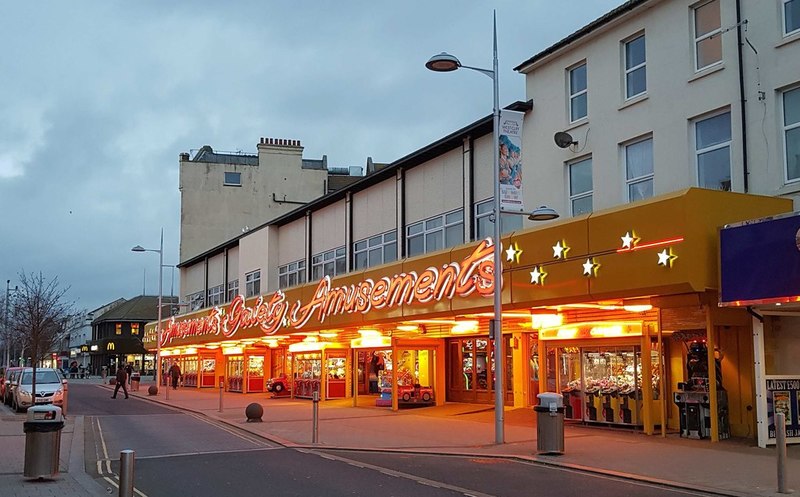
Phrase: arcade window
(215,295)
(446,230)
(232,179)
(292,274)
(252,283)
(635,67)
(791,17)
(580,186)
(375,250)
(791,133)
(707,35)
(330,263)
(484,224)
(639,169)
(713,152)
(578,93)
(233,290)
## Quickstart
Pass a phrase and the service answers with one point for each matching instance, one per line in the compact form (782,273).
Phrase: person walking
(122,380)
(129,371)
(175,374)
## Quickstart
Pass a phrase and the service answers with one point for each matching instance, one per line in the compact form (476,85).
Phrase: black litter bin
(42,441)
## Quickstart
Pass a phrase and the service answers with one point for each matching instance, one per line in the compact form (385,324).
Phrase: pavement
(734,467)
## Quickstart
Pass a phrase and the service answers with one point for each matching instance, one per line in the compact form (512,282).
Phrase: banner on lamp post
(510,161)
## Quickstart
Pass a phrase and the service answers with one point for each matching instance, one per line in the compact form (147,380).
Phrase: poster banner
(510,163)
(782,396)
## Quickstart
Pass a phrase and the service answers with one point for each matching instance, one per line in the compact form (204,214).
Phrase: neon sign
(472,275)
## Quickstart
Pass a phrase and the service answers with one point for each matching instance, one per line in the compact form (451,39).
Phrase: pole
(126,468)
(780,447)
(315,418)
(497,329)
(158,326)
(221,389)
(6,334)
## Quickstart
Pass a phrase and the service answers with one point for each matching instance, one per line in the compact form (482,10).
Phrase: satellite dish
(564,140)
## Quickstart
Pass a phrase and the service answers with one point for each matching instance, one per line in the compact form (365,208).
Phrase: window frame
(196,300)
(786,128)
(579,93)
(287,271)
(705,36)
(508,222)
(698,152)
(638,179)
(581,195)
(225,181)
(336,257)
(380,242)
(232,290)
(783,19)
(627,71)
(215,295)
(252,283)
(425,232)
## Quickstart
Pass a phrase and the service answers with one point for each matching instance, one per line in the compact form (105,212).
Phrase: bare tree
(41,318)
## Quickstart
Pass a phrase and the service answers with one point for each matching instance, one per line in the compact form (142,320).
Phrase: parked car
(49,388)
(6,387)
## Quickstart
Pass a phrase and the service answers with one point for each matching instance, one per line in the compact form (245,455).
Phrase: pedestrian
(122,380)
(129,371)
(175,374)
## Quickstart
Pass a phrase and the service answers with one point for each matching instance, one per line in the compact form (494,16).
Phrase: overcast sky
(98,98)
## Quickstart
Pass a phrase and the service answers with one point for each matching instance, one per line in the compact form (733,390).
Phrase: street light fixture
(160,251)
(445,62)
(6,334)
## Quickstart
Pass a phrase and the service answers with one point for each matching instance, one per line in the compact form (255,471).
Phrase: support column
(712,376)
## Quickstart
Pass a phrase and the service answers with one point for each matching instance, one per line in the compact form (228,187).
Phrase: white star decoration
(560,250)
(629,240)
(513,252)
(538,275)
(590,267)
(666,257)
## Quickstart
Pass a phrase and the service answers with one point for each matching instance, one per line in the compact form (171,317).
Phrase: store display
(207,372)
(336,371)
(255,373)
(307,374)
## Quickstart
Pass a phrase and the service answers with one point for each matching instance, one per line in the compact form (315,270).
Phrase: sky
(99,97)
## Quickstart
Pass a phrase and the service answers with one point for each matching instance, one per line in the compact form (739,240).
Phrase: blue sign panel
(760,261)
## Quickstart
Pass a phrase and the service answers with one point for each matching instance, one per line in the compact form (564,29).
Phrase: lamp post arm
(485,72)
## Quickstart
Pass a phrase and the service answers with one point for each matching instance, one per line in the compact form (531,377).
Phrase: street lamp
(444,62)
(160,251)
(6,334)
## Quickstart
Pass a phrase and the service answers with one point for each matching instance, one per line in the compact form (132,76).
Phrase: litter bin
(135,379)
(550,423)
(42,441)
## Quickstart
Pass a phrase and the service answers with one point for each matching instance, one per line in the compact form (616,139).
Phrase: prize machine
(692,395)
(207,372)
(310,367)
(189,369)
(234,369)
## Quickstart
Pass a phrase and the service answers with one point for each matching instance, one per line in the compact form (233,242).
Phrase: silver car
(49,388)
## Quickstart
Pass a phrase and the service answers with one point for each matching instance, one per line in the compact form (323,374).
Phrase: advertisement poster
(782,396)
(510,163)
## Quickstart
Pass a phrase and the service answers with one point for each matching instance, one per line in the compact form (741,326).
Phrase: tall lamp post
(6,334)
(160,251)
(444,62)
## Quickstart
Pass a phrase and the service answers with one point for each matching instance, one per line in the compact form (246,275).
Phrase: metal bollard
(780,447)
(315,418)
(221,389)
(66,397)
(166,390)
(126,463)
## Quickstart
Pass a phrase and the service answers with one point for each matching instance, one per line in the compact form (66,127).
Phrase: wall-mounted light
(232,351)
(546,319)
(190,350)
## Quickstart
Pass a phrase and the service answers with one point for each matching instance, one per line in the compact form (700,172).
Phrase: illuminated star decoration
(538,275)
(513,253)
(560,250)
(590,267)
(666,257)
(629,240)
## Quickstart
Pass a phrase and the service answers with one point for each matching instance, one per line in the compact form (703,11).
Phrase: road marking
(105,450)
(246,436)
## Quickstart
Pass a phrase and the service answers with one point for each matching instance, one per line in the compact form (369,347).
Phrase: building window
(375,250)
(635,67)
(577,93)
(791,17)
(292,274)
(252,283)
(484,224)
(215,295)
(580,186)
(639,169)
(233,290)
(118,328)
(195,301)
(135,329)
(446,230)
(791,133)
(330,263)
(713,150)
(707,35)
(232,179)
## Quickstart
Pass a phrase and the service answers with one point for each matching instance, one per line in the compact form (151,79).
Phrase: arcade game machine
(692,396)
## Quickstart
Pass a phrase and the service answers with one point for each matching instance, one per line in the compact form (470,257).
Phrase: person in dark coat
(129,371)
(175,374)
(122,380)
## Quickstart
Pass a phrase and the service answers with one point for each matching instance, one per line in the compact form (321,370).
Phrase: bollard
(66,391)
(126,462)
(780,447)
(166,391)
(221,390)
(315,418)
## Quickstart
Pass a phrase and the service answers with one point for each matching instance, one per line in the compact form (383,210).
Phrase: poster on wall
(510,162)
(782,396)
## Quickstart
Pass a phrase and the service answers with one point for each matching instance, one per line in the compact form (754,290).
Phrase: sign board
(782,396)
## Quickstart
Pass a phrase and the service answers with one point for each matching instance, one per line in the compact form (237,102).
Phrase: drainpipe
(743,100)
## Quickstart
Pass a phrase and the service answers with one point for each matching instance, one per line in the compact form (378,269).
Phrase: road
(185,454)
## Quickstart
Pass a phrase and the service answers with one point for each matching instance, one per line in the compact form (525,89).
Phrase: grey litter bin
(42,441)
(550,423)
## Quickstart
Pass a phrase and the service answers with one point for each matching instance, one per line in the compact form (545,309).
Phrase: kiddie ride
(414,394)
(279,386)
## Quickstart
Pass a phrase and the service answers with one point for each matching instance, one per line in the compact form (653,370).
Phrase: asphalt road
(183,454)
